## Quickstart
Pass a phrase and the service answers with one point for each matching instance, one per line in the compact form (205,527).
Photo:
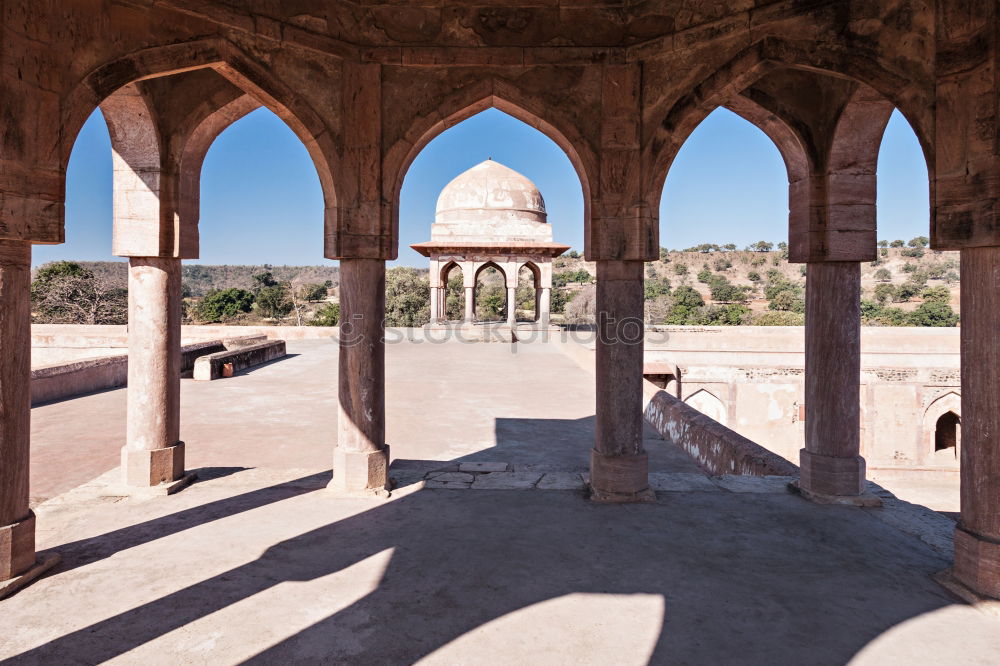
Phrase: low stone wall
(716,448)
(213,366)
(67,380)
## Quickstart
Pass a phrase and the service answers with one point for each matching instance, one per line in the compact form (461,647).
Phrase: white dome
(490,202)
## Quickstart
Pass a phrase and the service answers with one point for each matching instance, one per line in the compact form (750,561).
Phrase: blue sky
(261,200)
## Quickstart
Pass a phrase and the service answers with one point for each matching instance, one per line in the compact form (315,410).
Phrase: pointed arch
(235,66)
(939,408)
(489,93)
(708,404)
(536,272)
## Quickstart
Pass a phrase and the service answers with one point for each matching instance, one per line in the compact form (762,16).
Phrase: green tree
(273,301)
(762,246)
(897,243)
(936,295)
(407,297)
(883,243)
(729,293)
(221,305)
(885,293)
(685,301)
(883,275)
(681,269)
(933,313)
(327,315)
(312,292)
(919,241)
(704,275)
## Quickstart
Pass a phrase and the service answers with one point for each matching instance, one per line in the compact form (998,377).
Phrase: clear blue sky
(261,200)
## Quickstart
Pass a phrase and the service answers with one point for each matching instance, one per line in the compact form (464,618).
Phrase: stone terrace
(257,561)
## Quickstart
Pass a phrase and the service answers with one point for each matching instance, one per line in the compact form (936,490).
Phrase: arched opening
(529,292)
(490,293)
(453,280)
(724,229)
(908,284)
(947,436)
(709,405)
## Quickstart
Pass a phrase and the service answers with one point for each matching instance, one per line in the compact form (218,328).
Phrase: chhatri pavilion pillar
(17,521)
(977,536)
(511,306)
(544,304)
(619,466)
(153,453)
(831,465)
(435,305)
(361,458)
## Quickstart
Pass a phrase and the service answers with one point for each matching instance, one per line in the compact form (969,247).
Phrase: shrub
(327,315)
(883,275)
(933,313)
(722,264)
(779,319)
(221,305)
(408,297)
(915,252)
(919,241)
(885,293)
(936,295)
(897,243)
(681,269)
(704,275)
(753,276)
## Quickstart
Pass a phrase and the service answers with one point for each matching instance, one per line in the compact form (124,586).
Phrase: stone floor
(487,551)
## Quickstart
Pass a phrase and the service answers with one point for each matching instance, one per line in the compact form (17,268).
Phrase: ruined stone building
(617,84)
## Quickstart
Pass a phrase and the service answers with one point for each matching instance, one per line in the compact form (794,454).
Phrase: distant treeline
(199,279)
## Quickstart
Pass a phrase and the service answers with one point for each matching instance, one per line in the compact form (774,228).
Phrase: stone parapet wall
(716,448)
(214,366)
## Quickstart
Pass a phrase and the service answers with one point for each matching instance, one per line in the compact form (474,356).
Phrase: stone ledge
(866,500)
(159,490)
(947,580)
(43,564)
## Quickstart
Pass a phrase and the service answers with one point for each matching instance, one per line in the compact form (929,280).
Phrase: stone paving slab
(681,482)
(754,484)
(483,467)
(506,481)
(561,481)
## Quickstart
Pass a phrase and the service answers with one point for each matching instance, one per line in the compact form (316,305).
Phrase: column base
(948,581)
(17,547)
(866,500)
(44,563)
(620,479)
(826,475)
(161,470)
(977,563)
(360,473)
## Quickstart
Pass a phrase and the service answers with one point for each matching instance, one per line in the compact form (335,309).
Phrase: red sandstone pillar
(361,459)
(153,453)
(619,468)
(831,465)
(977,537)
(17,521)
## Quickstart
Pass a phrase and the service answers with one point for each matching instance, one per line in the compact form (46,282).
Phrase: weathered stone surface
(678,482)
(754,484)
(561,481)
(483,467)
(506,481)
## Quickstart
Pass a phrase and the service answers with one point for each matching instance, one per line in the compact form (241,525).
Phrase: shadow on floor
(742,579)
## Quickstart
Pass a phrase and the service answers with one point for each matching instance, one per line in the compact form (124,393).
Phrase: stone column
(17,521)
(435,309)
(543,305)
(618,464)
(361,458)
(831,467)
(511,306)
(153,453)
(470,304)
(977,537)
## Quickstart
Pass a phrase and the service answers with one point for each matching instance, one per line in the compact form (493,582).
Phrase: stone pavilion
(490,217)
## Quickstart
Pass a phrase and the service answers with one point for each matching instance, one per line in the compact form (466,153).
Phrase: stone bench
(229,362)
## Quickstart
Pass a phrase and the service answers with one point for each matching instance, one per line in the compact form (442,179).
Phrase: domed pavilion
(490,216)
